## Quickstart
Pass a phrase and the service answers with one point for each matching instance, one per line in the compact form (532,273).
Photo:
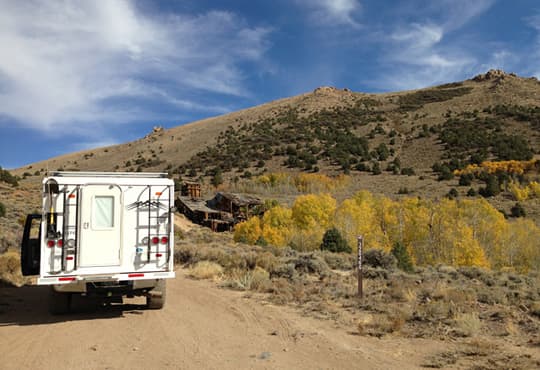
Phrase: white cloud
(534,22)
(332,11)
(418,55)
(418,60)
(457,13)
(64,63)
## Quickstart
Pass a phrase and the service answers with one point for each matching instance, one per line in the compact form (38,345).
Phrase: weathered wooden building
(191,189)
(239,205)
(220,213)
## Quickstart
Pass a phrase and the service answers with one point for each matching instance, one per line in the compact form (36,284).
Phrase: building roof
(241,200)
(197,205)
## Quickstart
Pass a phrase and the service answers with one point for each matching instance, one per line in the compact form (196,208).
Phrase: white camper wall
(140,213)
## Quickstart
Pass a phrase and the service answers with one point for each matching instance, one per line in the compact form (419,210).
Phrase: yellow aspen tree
(466,250)
(312,215)
(521,248)
(362,210)
(519,192)
(386,217)
(356,217)
(313,211)
(413,220)
(248,231)
(277,226)
(443,217)
(488,225)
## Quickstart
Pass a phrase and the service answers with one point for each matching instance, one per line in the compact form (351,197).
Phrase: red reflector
(50,243)
(155,240)
(159,254)
(72,196)
(60,242)
(135,275)
(69,258)
(164,240)
(66,279)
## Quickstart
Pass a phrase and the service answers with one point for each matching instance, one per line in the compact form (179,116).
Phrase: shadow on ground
(28,305)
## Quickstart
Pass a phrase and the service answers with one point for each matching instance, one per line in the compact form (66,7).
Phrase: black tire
(59,303)
(155,300)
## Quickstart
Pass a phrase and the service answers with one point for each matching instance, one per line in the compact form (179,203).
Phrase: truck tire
(155,300)
(59,303)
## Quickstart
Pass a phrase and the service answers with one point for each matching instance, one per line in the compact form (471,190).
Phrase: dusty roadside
(202,326)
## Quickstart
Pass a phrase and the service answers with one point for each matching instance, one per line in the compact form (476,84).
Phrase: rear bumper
(76,282)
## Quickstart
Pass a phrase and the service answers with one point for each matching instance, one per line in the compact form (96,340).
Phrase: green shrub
(452,194)
(379,258)
(376,169)
(517,210)
(445,173)
(7,177)
(404,261)
(409,171)
(333,241)
(492,187)
(465,179)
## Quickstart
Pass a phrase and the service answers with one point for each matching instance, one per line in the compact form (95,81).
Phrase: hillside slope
(403,115)
(421,136)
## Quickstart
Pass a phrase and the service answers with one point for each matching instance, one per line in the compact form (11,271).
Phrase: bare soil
(202,326)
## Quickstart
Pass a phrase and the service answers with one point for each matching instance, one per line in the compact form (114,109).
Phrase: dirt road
(201,327)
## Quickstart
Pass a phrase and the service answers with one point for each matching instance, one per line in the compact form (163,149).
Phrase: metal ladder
(66,227)
(156,217)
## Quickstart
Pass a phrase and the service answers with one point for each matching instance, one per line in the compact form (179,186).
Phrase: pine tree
(334,242)
(403,258)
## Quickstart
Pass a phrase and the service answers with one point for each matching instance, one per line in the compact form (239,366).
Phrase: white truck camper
(103,234)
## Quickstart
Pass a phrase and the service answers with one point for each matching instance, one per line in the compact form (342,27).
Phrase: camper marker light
(66,279)
(155,240)
(50,243)
(159,254)
(69,258)
(135,275)
(164,240)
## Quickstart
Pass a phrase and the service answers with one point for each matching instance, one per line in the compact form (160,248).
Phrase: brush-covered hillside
(411,142)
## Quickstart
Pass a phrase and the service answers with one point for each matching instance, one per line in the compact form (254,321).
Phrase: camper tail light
(155,240)
(59,243)
(51,243)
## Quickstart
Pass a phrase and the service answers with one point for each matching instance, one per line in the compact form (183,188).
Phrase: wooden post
(360,283)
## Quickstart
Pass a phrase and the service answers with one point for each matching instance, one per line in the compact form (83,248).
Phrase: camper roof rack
(108,174)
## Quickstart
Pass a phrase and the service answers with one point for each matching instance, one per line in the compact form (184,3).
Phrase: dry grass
(468,324)
(257,279)
(206,270)
(10,269)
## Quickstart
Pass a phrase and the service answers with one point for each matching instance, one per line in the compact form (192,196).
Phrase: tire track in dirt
(201,327)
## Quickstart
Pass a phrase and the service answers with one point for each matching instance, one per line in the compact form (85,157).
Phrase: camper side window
(103,217)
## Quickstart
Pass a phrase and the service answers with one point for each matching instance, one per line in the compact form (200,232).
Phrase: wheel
(155,300)
(59,302)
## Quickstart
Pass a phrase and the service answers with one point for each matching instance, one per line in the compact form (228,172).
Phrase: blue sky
(82,74)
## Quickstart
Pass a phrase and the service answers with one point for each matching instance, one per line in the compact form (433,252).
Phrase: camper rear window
(103,212)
